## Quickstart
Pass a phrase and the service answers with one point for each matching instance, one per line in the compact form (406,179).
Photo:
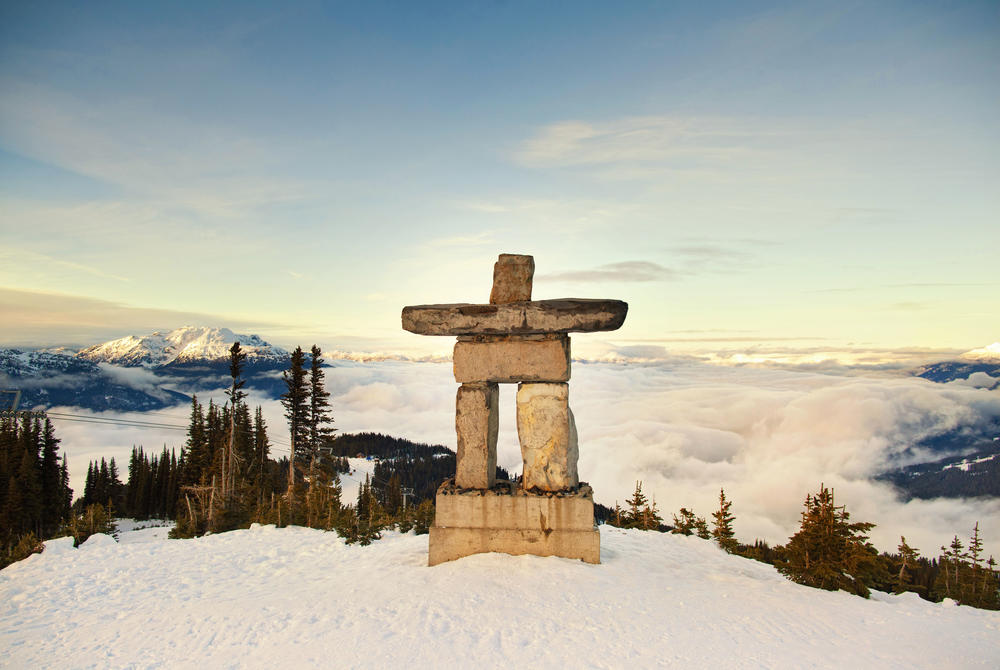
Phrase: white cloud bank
(685,429)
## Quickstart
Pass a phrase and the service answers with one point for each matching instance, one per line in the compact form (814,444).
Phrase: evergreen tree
(951,561)
(617,516)
(828,551)
(50,483)
(26,498)
(635,506)
(319,404)
(196,455)
(964,577)
(909,557)
(701,528)
(296,403)
(722,525)
(66,492)
(685,523)
(258,471)
(230,460)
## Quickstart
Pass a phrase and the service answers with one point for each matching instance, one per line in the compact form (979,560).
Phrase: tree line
(34,484)
(831,552)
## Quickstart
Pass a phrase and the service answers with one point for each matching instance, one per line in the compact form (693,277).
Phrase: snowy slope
(188,343)
(299,598)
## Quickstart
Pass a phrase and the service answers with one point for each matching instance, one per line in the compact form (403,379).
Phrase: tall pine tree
(296,403)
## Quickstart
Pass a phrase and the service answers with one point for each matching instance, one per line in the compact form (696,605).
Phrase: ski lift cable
(103,419)
(117,423)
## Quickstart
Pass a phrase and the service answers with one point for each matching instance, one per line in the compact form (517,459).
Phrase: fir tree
(319,404)
(50,483)
(722,525)
(635,506)
(260,457)
(236,395)
(908,560)
(685,523)
(828,551)
(296,403)
(196,455)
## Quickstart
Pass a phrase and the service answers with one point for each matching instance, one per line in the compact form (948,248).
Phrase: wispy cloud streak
(626,271)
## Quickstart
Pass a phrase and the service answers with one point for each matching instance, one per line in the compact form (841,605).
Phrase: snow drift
(300,598)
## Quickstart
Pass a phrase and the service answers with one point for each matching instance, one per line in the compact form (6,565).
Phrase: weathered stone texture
(512,276)
(512,360)
(448,544)
(519,523)
(491,509)
(476,421)
(566,315)
(547,432)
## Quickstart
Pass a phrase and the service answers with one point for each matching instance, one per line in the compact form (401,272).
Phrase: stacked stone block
(515,340)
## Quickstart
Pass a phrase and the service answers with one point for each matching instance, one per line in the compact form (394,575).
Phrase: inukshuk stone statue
(514,340)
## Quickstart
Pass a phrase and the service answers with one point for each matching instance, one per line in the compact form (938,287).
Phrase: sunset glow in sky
(809,177)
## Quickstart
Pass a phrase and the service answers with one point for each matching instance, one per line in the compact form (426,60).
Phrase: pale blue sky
(747,176)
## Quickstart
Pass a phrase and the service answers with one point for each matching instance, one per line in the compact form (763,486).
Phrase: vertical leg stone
(476,419)
(547,432)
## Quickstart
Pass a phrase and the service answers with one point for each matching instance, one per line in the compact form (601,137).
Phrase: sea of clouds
(684,428)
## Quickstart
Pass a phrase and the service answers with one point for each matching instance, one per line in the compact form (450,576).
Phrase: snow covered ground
(300,598)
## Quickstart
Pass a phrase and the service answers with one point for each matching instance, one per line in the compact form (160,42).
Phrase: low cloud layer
(685,429)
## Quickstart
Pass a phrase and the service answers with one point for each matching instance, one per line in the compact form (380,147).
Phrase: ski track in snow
(301,598)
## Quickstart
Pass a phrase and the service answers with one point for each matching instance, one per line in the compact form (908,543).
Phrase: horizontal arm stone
(566,315)
(512,358)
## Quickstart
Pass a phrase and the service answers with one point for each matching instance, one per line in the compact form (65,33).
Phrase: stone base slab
(470,522)
(448,544)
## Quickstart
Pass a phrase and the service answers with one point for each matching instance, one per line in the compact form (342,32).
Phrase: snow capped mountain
(185,344)
(989,353)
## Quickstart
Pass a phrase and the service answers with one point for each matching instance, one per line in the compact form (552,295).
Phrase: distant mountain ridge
(978,367)
(185,344)
(971,475)
(140,372)
(48,380)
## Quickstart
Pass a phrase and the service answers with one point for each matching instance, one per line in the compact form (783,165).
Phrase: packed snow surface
(300,598)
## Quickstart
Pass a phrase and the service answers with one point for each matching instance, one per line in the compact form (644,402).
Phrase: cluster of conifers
(831,552)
